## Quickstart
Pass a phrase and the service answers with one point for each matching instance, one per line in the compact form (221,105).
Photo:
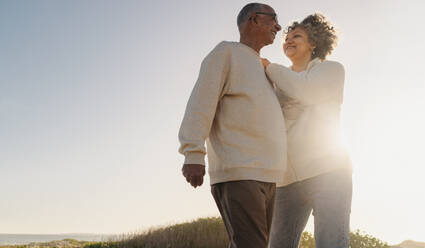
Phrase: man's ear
(253,18)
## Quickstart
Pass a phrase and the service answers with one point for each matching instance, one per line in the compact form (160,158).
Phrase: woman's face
(297,46)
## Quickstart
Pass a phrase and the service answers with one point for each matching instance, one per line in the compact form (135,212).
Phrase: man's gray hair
(247,10)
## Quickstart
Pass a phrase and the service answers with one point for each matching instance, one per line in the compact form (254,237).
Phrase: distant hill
(410,244)
(66,243)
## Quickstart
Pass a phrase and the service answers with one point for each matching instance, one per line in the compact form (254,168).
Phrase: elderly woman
(318,177)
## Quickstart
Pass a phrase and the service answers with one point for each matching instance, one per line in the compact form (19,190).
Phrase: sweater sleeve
(322,83)
(202,104)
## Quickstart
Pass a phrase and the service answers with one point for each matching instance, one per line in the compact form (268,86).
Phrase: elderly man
(234,109)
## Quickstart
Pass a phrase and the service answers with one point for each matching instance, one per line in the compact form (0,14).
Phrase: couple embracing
(272,134)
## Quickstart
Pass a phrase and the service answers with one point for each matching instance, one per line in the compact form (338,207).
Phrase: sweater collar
(313,63)
(248,48)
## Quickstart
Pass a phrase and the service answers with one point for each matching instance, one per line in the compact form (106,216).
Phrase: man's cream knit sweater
(235,110)
(311,102)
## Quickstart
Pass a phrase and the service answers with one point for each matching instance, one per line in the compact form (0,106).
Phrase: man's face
(266,25)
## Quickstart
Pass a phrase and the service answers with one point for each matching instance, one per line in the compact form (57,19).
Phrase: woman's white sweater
(311,102)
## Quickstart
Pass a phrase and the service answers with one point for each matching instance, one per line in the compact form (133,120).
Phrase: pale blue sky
(92,94)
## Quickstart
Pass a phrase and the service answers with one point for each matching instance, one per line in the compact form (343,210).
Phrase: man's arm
(323,83)
(200,112)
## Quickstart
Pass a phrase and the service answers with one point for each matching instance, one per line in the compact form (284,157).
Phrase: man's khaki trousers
(247,209)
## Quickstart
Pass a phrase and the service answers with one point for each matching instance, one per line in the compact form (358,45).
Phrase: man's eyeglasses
(269,14)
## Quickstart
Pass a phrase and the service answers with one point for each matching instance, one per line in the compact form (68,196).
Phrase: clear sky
(92,94)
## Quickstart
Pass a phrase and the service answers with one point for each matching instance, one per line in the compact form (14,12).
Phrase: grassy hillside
(211,233)
(202,233)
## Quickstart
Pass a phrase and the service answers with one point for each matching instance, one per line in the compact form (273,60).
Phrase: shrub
(357,240)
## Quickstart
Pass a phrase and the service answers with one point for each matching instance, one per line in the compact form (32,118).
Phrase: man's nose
(278,27)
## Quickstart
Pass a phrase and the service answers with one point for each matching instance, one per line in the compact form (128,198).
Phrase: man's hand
(265,62)
(194,174)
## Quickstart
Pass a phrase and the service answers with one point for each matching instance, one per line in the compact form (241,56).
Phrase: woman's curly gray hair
(321,34)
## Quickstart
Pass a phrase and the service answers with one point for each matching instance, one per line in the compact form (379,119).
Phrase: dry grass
(211,233)
(201,233)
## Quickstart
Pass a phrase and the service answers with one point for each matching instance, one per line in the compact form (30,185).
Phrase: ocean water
(22,239)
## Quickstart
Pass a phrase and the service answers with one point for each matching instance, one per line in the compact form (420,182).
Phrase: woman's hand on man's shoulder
(265,62)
